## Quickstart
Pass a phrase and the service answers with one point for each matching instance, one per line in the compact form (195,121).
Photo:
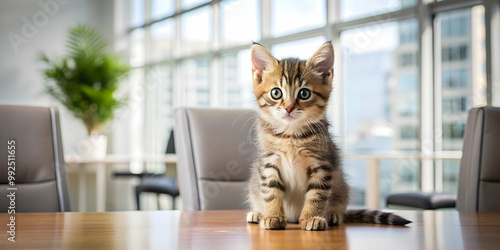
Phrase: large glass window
(455,105)
(237,79)
(199,55)
(187,4)
(137,12)
(162,39)
(137,47)
(293,16)
(455,78)
(161,100)
(162,8)
(352,9)
(450,176)
(302,49)
(408,83)
(408,108)
(233,31)
(461,34)
(195,78)
(196,30)
(374,86)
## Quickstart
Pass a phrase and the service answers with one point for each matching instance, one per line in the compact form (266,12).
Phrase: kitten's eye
(304,94)
(276,93)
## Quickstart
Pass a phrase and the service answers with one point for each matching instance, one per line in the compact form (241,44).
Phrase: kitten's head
(292,92)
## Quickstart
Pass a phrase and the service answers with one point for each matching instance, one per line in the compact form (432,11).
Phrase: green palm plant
(85,81)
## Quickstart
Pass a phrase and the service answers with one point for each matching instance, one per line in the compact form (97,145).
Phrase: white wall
(21,81)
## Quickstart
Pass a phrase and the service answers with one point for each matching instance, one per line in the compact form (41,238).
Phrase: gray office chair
(215,149)
(41,183)
(479,178)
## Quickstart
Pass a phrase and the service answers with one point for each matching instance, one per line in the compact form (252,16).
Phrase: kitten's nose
(289,109)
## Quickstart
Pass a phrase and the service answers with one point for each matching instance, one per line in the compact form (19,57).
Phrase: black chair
(427,201)
(159,184)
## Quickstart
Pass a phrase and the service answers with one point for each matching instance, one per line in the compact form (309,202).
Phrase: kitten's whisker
(259,117)
(235,120)
(250,118)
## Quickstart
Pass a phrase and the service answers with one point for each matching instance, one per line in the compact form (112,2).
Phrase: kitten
(297,176)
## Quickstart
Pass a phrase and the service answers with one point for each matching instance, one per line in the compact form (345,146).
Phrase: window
(455,78)
(197,53)
(137,12)
(293,16)
(408,108)
(455,105)
(455,53)
(187,4)
(196,82)
(162,8)
(450,176)
(407,59)
(408,83)
(462,77)
(371,114)
(453,130)
(374,85)
(196,30)
(162,39)
(302,49)
(160,104)
(407,34)
(408,132)
(455,25)
(352,9)
(137,49)
(234,32)
(236,76)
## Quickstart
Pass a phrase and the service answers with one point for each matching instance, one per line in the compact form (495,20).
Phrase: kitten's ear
(262,60)
(322,61)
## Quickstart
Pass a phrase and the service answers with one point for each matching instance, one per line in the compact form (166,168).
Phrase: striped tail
(374,217)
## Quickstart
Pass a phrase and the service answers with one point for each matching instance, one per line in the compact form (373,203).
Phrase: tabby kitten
(297,176)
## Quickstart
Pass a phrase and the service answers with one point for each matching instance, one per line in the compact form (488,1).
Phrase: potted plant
(85,82)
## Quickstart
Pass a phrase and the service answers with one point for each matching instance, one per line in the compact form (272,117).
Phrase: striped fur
(374,216)
(297,177)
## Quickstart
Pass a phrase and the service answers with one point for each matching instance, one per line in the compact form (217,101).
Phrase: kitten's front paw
(254,217)
(273,222)
(315,223)
(335,219)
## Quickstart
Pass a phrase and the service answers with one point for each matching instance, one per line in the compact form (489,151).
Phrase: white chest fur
(293,172)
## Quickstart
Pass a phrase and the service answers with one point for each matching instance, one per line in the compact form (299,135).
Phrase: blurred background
(406,73)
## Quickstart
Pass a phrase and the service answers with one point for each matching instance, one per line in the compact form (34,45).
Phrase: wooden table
(228,230)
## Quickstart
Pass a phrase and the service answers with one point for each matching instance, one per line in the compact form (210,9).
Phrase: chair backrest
(479,181)
(214,149)
(32,156)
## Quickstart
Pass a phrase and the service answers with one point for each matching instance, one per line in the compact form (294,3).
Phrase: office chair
(214,154)
(159,184)
(31,141)
(479,176)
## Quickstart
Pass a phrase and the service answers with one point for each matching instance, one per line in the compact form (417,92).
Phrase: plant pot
(94,146)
